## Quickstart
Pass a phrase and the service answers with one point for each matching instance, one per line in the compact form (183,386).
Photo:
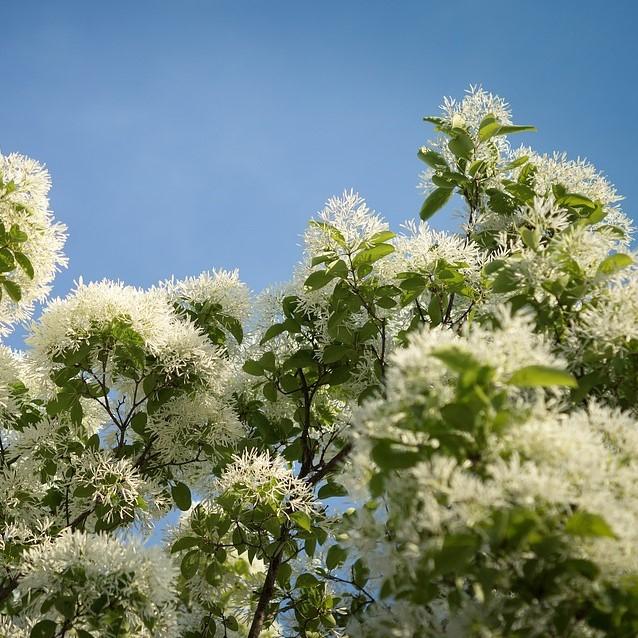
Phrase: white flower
(138,578)
(116,488)
(24,206)
(508,347)
(186,423)
(90,310)
(421,247)
(475,105)
(608,324)
(257,477)
(221,287)
(577,176)
(467,114)
(352,220)
(11,368)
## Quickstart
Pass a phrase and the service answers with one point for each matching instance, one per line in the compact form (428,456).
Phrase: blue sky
(182,136)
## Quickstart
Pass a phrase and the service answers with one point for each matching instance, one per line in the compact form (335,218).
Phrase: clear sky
(186,135)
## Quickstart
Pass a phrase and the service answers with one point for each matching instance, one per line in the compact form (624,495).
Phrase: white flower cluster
(130,575)
(235,580)
(577,176)
(91,309)
(510,346)
(467,114)
(352,220)
(608,324)
(420,247)
(116,488)
(475,105)
(261,478)
(11,369)
(222,287)
(36,240)
(553,463)
(188,422)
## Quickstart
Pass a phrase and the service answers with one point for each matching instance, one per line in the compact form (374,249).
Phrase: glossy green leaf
(182,496)
(435,201)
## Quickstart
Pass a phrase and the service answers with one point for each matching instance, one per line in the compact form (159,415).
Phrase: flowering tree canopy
(421,434)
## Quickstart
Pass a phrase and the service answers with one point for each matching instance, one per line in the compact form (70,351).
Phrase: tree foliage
(421,434)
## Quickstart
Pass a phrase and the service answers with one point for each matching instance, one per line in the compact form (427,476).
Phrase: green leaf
(586,524)
(13,290)
(185,542)
(458,415)
(523,159)
(390,455)
(268,361)
(437,121)
(272,332)
(138,423)
(575,200)
(530,237)
(65,605)
(43,629)
(542,376)
(253,367)
(432,158)
(360,573)
(457,551)
(318,279)
(335,352)
(381,236)
(190,564)
(270,391)
(493,266)
(434,310)
(488,127)
(330,490)
(515,128)
(456,359)
(491,127)
(522,191)
(500,202)
(322,259)
(302,520)
(506,281)
(595,217)
(461,145)
(306,580)
(284,574)
(336,556)
(613,264)
(300,359)
(7,262)
(434,201)
(231,623)
(17,235)
(338,269)
(333,232)
(370,255)
(182,496)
